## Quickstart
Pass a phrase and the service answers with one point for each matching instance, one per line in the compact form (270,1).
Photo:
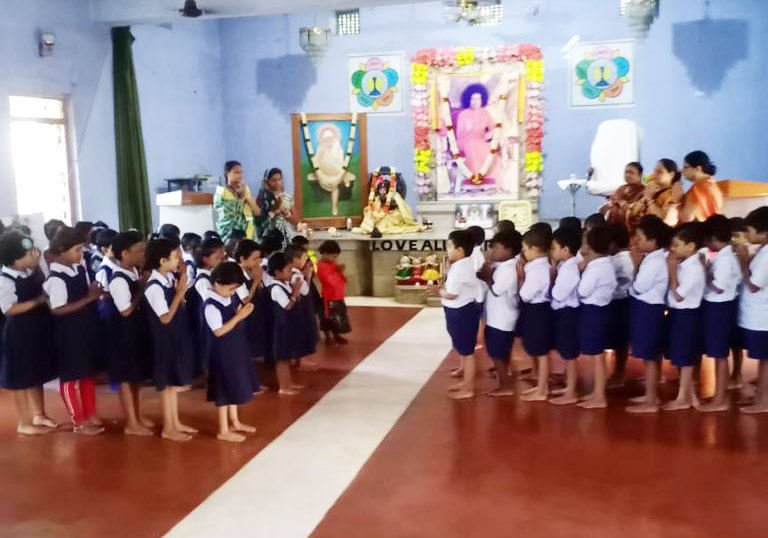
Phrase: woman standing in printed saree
(234,204)
(664,192)
(704,199)
(275,208)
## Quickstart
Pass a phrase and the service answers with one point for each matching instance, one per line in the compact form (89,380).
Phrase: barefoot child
(306,333)
(566,242)
(172,341)
(534,280)
(230,379)
(720,307)
(73,303)
(647,305)
(285,317)
(753,308)
(738,237)
(333,283)
(208,255)
(462,312)
(252,291)
(129,355)
(501,306)
(27,358)
(618,325)
(687,282)
(596,288)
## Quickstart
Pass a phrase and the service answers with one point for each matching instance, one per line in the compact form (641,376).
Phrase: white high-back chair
(616,143)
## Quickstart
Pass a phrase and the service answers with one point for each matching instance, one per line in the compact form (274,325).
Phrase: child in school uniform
(566,242)
(753,307)
(314,292)
(129,354)
(535,281)
(173,354)
(27,354)
(102,250)
(462,311)
(284,294)
(252,291)
(231,245)
(85,230)
(73,303)
(687,283)
(738,238)
(50,228)
(720,308)
(189,244)
(230,381)
(618,324)
(306,330)
(209,254)
(596,289)
(169,231)
(501,306)
(648,294)
(333,282)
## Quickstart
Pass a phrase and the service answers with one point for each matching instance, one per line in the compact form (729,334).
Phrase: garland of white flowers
(475,177)
(311,150)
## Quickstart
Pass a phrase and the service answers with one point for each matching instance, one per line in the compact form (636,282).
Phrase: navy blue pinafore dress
(283,325)
(129,350)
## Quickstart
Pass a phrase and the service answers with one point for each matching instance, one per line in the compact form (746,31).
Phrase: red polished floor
(498,468)
(62,485)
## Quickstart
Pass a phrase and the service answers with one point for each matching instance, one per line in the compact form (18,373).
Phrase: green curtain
(132,185)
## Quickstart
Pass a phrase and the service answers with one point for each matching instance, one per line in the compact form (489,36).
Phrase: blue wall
(267,77)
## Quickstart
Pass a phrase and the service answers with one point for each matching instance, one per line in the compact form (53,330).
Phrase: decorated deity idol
(386,210)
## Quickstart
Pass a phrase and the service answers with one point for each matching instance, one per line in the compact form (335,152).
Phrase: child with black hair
(27,354)
(566,242)
(76,322)
(271,242)
(230,379)
(720,306)
(129,354)
(306,333)
(334,319)
(596,289)
(505,226)
(618,321)
(534,326)
(317,298)
(284,296)
(190,242)
(753,307)
(211,234)
(738,231)
(84,229)
(501,306)
(231,244)
(738,238)
(462,311)
(50,228)
(252,291)
(102,264)
(570,223)
(687,283)
(647,305)
(169,231)
(174,362)
(208,255)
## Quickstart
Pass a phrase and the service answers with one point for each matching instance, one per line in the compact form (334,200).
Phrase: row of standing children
(677,293)
(146,312)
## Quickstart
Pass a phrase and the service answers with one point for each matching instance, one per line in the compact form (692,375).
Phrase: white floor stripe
(378,301)
(286,490)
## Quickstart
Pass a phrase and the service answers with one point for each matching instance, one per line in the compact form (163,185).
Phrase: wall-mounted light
(45,42)
(314,40)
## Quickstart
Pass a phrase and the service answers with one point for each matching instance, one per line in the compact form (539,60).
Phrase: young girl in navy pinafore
(173,356)
(305,331)
(256,325)
(78,334)
(129,350)
(195,306)
(283,323)
(27,354)
(230,369)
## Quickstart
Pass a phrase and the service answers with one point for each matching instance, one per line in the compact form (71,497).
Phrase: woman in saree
(625,205)
(704,199)
(234,204)
(664,192)
(275,210)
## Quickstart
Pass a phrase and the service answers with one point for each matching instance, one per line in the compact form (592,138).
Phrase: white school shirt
(295,275)
(652,279)
(244,290)
(8,296)
(266,278)
(203,285)
(55,286)
(119,290)
(212,314)
(501,303)
(187,257)
(101,276)
(598,282)
(565,292)
(278,296)
(535,288)
(155,295)
(726,276)
(478,259)
(461,281)
(753,307)
(691,280)
(625,272)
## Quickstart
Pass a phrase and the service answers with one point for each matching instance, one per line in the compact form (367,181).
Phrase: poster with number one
(375,83)
(603,74)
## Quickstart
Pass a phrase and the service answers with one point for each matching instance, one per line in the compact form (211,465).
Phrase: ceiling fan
(191,10)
